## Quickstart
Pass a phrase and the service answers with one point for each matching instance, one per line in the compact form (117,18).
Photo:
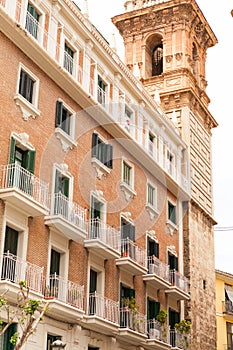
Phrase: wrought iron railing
(131,250)
(15,269)
(105,233)
(104,308)
(15,176)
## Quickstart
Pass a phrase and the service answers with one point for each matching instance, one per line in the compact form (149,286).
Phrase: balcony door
(97,218)
(54,272)
(61,195)
(10,254)
(174,317)
(128,238)
(92,291)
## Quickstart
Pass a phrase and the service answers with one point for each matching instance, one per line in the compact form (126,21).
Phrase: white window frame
(67,140)
(63,169)
(152,209)
(106,84)
(101,169)
(129,127)
(41,21)
(28,109)
(98,195)
(128,189)
(75,50)
(171,226)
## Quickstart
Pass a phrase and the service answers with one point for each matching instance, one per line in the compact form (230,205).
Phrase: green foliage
(162,316)
(130,303)
(31,306)
(184,326)
(14,338)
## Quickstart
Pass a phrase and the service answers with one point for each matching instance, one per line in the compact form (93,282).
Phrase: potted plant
(162,319)
(184,327)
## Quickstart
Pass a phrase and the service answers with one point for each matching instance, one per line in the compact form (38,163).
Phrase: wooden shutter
(108,155)
(94,151)
(174,317)
(12,150)
(59,108)
(153,308)
(30,161)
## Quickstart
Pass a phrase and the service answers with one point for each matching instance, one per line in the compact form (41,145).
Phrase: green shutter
(59,108)
(57,176)
(108,155)
(12,150)
(30,161)
(94,151)
(7,336)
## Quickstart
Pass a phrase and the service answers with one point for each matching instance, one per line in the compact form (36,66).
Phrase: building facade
(224,310)
(106,212)
(166,41)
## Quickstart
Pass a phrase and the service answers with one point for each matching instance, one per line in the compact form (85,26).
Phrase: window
(127,174)
(157,60)
(101,91)
(92,348)
(26,86)
(151,195)
(63,118)
(98,217)
(153,308)
(10,252)
(172,213)
(173,262)
(170,162)
(32,21)
(23,158)
(92,292)
(127,236)
(5,339)
(68,63)
(54,273)
(61,184)
(174,317)
(128,119)
(152,247)
(27,93)
(152,144)
(229,336)
(102,150)
(50,339)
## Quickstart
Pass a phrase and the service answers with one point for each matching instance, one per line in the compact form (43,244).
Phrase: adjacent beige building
(106,180)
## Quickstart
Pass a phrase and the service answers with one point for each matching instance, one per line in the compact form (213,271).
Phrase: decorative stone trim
(101,169)
(66,141)
(152,211)
(27,109)
(171,227)
(128,191)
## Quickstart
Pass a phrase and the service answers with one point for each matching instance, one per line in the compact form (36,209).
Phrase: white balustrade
(103,307)
(131,250)
(157,267)
(105,233)
(180,281)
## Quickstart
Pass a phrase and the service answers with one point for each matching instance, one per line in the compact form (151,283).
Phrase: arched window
(157,60)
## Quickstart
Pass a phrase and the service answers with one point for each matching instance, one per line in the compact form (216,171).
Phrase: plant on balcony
(184,327)
(27,313)
(162,319)
(129,303)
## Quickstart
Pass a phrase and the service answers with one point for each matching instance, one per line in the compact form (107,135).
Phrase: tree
(27,313)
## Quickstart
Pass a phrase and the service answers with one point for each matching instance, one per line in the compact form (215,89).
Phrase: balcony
(101,96)
(32,25)
(228,309)
(14,270)
(65,298)
(158,337)
(103,240)
(103,314)
(23,190)
(158,274)
(132,326)
(67,217)
(179,288)
(68,63)
(133,258)
(179,340)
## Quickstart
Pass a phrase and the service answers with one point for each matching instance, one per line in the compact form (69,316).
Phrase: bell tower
(167,41)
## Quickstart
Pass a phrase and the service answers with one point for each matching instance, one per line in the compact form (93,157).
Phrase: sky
(219,74)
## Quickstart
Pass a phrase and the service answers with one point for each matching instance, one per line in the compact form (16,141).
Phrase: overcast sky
(219,70)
